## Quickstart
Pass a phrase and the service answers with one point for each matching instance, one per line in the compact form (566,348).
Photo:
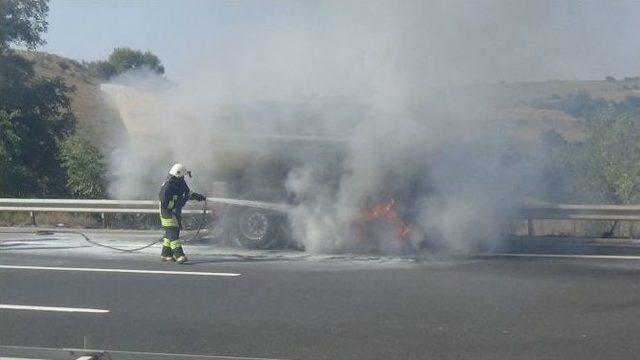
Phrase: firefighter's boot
(167,253)
(179,255)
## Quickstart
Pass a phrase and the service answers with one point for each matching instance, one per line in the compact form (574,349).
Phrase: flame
(386,211)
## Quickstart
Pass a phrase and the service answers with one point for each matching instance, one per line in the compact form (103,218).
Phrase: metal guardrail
(102,207)
(578,212)
(528,212)
(80,206)
(582,212)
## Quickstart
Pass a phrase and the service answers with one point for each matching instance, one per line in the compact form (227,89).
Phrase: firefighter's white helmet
(178,170)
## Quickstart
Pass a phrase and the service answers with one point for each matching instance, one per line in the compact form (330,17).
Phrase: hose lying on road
(95,243)
(88,239)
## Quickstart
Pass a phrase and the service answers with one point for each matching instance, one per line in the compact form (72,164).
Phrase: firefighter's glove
(198,197)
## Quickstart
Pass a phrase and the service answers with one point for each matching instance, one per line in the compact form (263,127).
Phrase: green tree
(40,119)
(101,69)
(9,143)
(608,163)
(22,22)
(85,168)
(35,112)
(555,155)
(124,59)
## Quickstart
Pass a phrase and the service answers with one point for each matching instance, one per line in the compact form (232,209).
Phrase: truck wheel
(252,228)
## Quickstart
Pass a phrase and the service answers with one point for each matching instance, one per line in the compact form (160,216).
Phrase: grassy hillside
(511,103)
(96,121)
(514,103)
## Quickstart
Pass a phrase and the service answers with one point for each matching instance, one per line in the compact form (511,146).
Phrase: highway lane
(328,307)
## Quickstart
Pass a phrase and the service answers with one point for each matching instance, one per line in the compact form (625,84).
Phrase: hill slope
(96,120)
(511,102)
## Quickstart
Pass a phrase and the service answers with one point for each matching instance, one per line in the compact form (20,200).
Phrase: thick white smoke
(413,137)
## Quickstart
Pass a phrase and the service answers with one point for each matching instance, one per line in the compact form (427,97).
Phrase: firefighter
(174,194)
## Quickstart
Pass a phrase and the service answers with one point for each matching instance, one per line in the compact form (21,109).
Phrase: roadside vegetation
(605,166)
(123,59)
(41,154)
(35,113)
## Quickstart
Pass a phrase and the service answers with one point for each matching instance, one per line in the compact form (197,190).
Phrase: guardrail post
(32,214)
(104,220)
(530,231)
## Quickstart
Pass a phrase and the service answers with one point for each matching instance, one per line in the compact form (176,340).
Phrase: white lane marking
(52,308)
(129,271)
(569,256)
(170,355)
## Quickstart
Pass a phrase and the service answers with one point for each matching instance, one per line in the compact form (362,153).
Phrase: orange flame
(384,210)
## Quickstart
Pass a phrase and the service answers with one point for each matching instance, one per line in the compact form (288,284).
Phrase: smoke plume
(376,88)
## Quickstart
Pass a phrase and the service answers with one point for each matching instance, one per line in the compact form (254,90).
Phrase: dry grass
(96,120)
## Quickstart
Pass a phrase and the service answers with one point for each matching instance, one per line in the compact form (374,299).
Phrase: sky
(176,31)
(472,40)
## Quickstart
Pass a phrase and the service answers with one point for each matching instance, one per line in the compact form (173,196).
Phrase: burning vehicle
(263,223)
(383,221)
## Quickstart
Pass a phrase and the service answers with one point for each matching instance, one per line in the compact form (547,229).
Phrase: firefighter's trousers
(171,245)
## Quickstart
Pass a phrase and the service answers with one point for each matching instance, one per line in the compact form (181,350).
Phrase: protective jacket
(173,195)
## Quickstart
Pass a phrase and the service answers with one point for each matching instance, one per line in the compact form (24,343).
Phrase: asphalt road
(296,307)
